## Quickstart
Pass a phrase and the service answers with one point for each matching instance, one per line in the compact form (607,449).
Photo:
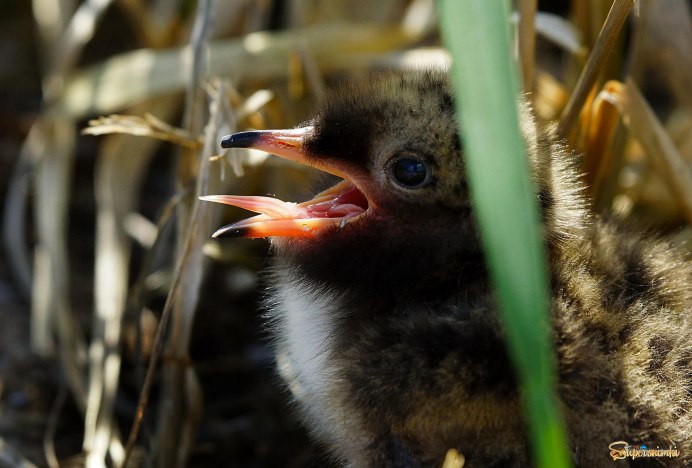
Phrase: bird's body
(387,329)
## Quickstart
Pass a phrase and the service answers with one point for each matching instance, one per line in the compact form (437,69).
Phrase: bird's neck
(384,265)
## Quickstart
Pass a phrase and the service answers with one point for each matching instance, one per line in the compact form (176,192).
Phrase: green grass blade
(486,85)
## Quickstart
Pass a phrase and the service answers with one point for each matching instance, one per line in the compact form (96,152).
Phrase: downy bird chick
(386,325)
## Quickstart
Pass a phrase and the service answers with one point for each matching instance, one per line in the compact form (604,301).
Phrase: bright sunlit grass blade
(486,85)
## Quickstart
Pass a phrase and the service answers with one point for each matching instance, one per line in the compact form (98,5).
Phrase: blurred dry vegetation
(113,297)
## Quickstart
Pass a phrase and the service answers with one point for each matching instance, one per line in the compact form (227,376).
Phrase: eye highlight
(410,172)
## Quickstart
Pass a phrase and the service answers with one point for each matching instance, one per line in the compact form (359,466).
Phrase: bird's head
(393,140)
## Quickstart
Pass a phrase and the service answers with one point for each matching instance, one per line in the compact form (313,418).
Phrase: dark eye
(410,172)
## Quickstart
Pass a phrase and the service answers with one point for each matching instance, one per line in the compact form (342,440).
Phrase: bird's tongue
(333,207)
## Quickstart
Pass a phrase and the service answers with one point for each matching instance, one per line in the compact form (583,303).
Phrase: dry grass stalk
(159,340)
(598,145)
(52,425)
(658,144)
(148,126)
(189,263)
(527,41)
(117,186)
(14,219)
(597,59)
(51,309)
(134,76)
(52,17)
(180,403)
(68,48)
(54,142)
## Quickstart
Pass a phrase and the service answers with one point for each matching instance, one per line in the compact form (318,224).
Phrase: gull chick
(386,325)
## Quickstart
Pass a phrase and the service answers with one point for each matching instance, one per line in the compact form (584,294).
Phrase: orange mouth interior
(333,207)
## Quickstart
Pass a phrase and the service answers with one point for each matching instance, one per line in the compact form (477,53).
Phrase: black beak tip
(230,232)
(240,140)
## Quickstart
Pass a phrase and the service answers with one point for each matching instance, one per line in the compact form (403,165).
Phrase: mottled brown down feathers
(387,330)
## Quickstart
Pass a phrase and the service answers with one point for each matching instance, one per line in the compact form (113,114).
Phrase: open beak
(331,208)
